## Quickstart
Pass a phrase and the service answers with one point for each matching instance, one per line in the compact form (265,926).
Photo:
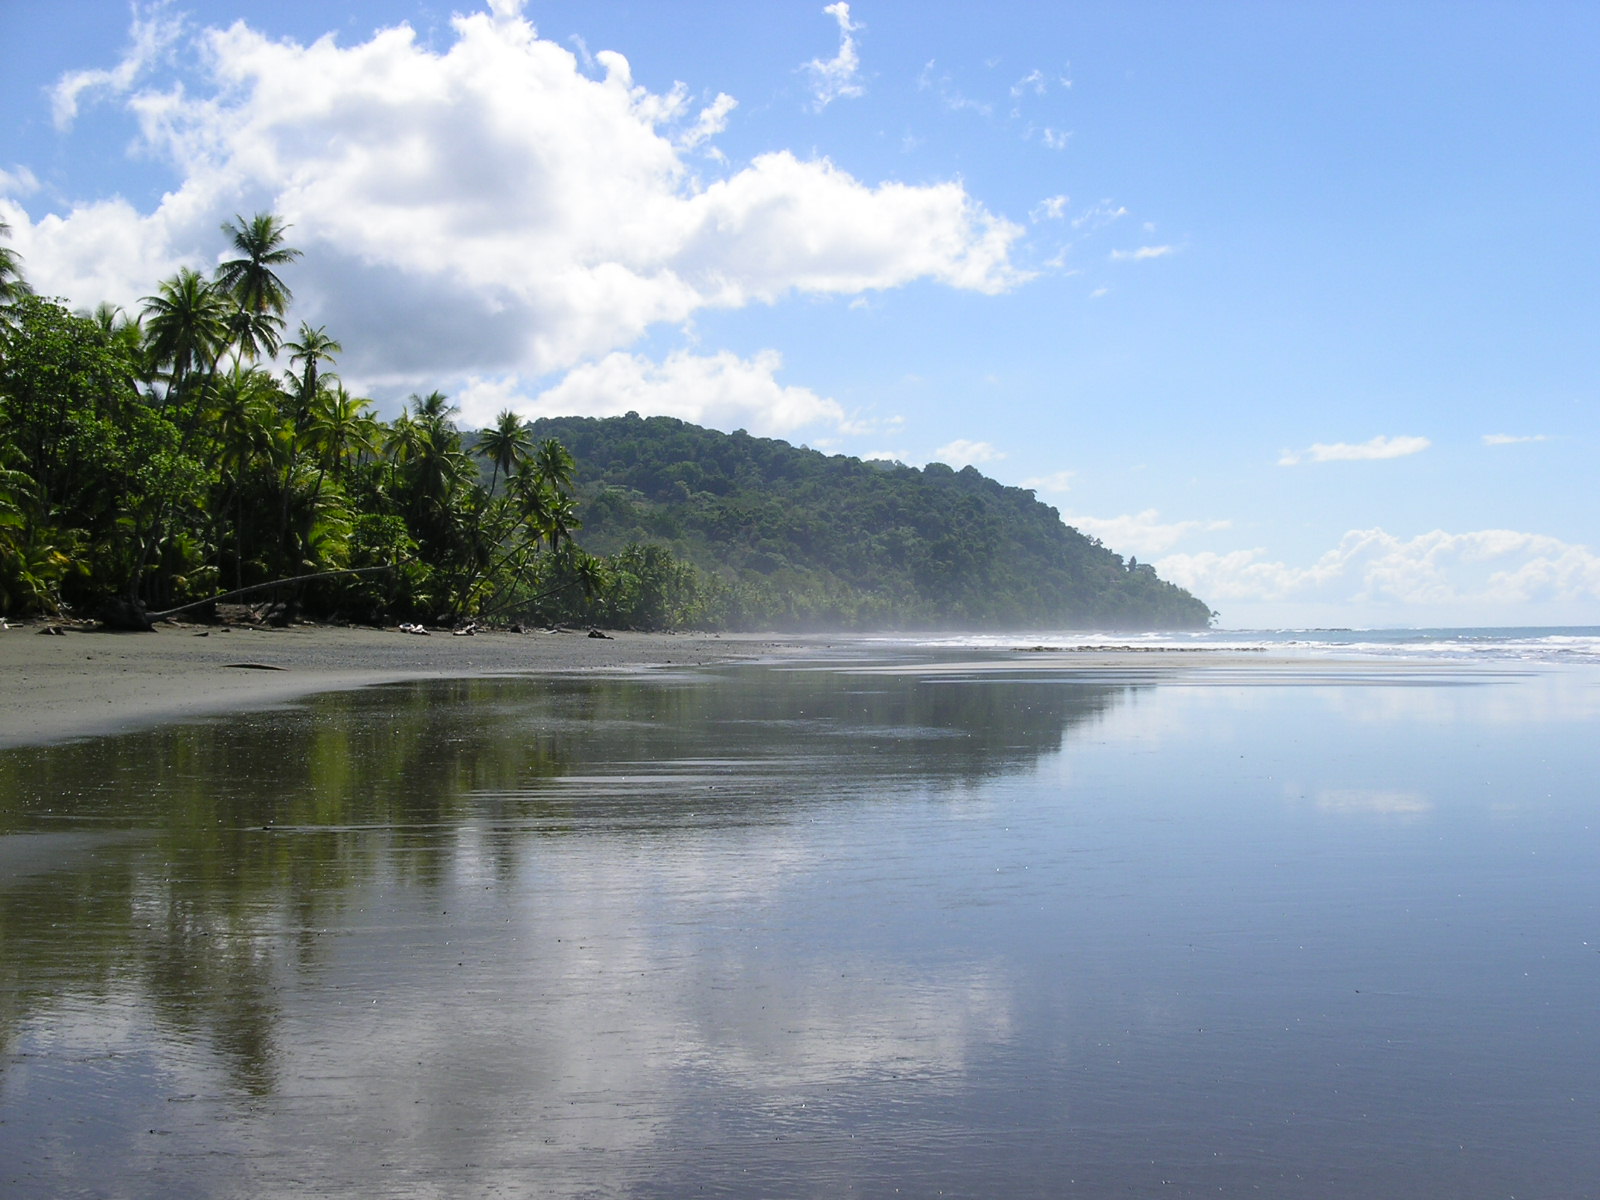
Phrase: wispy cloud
(1097,216)
(1379,447)
(155,30)
(1051,208)
(838,77)
(951,97)
(1058,481)
(1034,81)
(1511,439)
(1141,533)
(961,453)
(1142,254)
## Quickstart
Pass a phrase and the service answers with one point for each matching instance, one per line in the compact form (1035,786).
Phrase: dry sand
(90,681)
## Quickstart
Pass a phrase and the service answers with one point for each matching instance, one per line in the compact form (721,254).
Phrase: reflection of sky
(1212,906)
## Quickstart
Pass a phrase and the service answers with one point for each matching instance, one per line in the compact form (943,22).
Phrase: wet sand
(90,681)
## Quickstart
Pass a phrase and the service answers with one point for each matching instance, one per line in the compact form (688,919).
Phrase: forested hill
(813,540)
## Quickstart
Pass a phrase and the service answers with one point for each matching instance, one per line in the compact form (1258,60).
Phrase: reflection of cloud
(599,1022)
(1373,802)
(857,1020)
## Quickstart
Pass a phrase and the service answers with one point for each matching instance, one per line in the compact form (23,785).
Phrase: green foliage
(155,462)
(152,463)
(781,537)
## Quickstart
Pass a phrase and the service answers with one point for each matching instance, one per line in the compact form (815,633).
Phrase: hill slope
(823,541)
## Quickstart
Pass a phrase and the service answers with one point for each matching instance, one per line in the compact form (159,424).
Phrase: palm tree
(252,281)
(126,337)
(186,328)
(507,444)
(433,413)
(12,285)
(314,349)
(554,464)
(243,417)
(340,426)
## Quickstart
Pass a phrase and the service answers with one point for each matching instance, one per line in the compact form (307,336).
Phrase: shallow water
(994,926)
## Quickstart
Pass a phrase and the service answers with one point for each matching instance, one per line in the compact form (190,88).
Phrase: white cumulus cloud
(1511,439)
(1483,571)
(719,390)
(482,208)
(1378,448)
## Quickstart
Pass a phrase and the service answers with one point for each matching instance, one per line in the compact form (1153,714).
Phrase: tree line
(763,534)
(199,448)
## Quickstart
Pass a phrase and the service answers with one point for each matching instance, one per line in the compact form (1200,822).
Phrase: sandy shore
(89,681)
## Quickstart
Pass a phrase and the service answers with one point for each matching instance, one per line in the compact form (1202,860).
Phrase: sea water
(984,919)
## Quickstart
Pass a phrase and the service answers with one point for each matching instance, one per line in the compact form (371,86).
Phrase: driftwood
(124,614)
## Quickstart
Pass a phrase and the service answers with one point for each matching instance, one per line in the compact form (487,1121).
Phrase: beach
(90,681)
(654,915)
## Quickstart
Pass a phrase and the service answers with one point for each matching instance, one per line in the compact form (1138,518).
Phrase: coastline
(91,682)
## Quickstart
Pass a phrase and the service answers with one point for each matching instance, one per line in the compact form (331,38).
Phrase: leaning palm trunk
(236,593)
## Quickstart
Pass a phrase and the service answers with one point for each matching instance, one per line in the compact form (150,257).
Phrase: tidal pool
(992,926)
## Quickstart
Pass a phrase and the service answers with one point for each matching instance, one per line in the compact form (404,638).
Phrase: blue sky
(1295,301)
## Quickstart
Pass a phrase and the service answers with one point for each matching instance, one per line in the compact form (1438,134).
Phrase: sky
(1297,302)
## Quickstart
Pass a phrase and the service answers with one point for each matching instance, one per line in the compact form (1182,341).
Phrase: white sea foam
(1563,644)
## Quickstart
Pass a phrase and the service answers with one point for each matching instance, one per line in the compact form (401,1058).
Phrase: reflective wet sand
(992,926)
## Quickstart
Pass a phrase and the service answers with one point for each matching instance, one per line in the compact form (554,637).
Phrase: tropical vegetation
(198,449)
(201,450)
(707,528)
